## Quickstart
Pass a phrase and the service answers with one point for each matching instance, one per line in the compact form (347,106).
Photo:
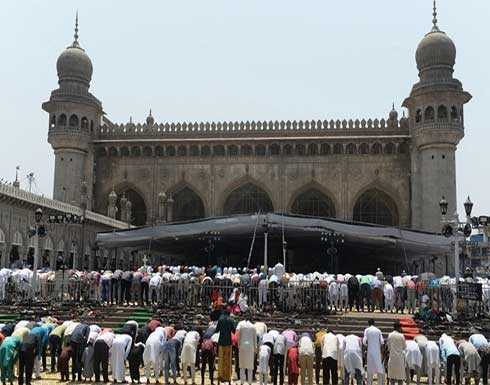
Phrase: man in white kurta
(433,362)
(353,365)
(188,356)
(414,360)
(152,356)
(373,338)
(396,363)
(247,346)
(120,349)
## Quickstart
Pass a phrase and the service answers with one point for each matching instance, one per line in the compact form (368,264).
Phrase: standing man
(247,346)
(396,362)
(55,341)
(306,351)
(399,293)
(153,354)
(279,352)
(373,338)
(225,328)
(103,344)
(27,353)
(330,351)
(353,365)
(78,342)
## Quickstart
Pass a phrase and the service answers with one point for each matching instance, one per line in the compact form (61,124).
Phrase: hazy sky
(237,60)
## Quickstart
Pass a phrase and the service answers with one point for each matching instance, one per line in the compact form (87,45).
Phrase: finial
(130,119)
(393,106)
(434,19)
(150,112)
(75,42)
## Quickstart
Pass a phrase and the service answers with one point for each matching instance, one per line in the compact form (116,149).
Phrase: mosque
(389,171)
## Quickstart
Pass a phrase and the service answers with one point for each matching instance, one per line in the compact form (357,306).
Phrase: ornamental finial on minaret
(75,42)
(434,18)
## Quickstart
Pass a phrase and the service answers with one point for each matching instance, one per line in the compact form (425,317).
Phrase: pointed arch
(313,200)
(137,199)
(247,198)
(188,204)
(61,245)
(374,205)
(17,240)
(48,243)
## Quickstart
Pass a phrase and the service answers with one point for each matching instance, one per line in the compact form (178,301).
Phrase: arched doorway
(47,253)
(3,253)
(138,207)
(314,203)
(15,250)
(187,205)
(375,206)
(247,199)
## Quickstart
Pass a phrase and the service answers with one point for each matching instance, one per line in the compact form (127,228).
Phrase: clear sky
(237,60)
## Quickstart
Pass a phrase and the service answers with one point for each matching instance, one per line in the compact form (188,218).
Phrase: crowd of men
(252,350)
(258,288)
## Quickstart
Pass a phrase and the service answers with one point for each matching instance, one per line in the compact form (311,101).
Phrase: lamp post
(210,237)
(265,227)
(451,227)
(39,230)
(333,241)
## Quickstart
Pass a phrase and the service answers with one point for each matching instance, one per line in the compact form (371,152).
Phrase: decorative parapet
(51,204)
(230,128)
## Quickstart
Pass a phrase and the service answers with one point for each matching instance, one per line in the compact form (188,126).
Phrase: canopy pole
(283,244)
(253,240)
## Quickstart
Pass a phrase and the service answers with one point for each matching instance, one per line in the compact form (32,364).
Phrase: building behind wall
(390,171)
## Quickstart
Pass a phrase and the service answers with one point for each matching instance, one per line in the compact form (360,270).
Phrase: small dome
(74,63)
(435,49)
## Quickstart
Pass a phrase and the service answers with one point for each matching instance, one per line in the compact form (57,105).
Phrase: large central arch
(247,199)
(315,203)
(375,206)
(187,205)
(138,206)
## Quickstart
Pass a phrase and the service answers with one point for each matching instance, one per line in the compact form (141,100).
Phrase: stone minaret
(436,125)
(74,118)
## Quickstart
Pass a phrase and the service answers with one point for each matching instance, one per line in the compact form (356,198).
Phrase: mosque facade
(390,171)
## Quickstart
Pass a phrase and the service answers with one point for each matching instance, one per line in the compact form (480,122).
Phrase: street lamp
(334,241)
(38,231)
(451,227)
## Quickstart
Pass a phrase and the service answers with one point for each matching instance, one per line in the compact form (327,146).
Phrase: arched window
(52,121)
(418,116)
(377,148)
(454,114)
(170,151)
(275,149)
(338,149)
(287,149)
(159,151)
(364,148)
(124,151)
(375,206)
(260,150)
(312,149)
(300,150)
(219,150)
(313,203)
(2,236)
(205,150)
(138,207)
(147,151)
(429,114)
(194,150)
(73,123)
(135,151)
(403,148)
(17,241)
(325,149)
(113,151)
(61,246)
(187,205)
(390,148)
(247,199)
(351,149)
(442,114)
(62,120)
(182,151)
(48,243)
(232,150)
(246,150)
(84,124)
